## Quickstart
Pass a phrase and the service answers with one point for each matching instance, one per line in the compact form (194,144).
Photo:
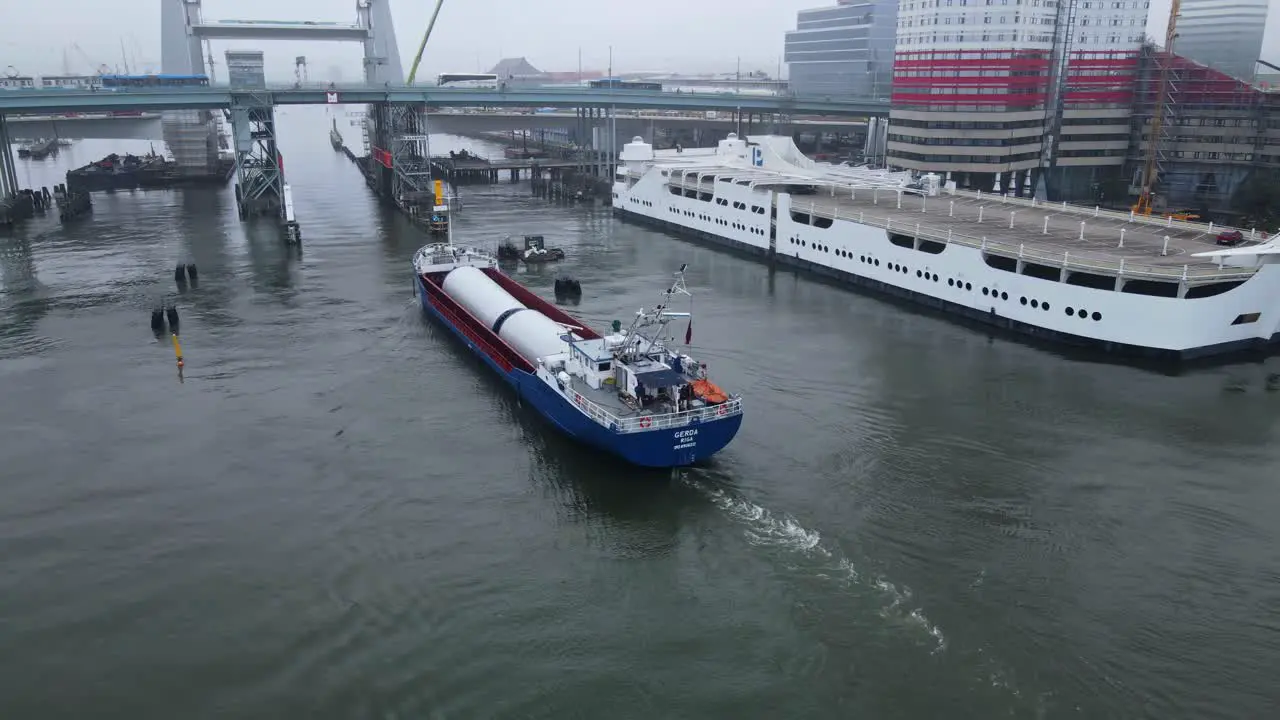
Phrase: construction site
(1203,142)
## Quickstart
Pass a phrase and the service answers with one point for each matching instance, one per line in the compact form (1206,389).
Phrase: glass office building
(843,51)
(1225,35)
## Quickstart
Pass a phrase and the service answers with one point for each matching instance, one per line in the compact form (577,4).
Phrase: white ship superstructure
(1125,283)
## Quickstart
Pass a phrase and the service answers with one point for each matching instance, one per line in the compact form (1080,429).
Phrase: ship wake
(764,528)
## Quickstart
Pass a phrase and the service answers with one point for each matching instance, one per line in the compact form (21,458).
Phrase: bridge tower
(260,186)
(260,174)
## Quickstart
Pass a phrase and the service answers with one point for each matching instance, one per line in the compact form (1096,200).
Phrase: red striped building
(997,92)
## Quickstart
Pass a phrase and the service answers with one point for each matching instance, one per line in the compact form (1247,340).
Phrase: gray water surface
(339,513)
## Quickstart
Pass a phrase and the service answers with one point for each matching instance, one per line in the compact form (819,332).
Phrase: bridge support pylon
(260,185)
(8,171)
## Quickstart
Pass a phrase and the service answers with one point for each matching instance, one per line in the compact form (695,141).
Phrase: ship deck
(1077,238)
(1045,228)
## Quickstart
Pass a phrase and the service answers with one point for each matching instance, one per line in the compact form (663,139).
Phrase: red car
(1230,237)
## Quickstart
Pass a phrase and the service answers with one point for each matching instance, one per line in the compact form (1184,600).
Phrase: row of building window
(1206,155)
(965,159)
(956,107)
(966,142)
(930,38)
(964,3)
(1213,122)
(1093,153)
(965,124)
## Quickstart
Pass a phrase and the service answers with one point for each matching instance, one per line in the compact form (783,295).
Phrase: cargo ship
(1121,282)
(627,393)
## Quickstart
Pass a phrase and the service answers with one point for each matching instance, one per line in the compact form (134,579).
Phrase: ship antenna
(448,219)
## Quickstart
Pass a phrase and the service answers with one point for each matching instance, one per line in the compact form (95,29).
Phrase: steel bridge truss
(259,168)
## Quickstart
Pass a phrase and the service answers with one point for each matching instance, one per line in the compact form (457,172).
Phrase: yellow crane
(1149,172)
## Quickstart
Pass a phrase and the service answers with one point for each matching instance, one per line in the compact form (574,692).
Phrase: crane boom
(1149,174)
(413,71)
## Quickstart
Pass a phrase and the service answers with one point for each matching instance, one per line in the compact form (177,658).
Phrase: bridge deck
(60,100)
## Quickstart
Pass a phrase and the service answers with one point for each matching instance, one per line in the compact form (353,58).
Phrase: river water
(338,513)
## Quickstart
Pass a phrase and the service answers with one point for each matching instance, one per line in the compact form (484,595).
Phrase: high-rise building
(1006,93)
(1225,35)
(845,50)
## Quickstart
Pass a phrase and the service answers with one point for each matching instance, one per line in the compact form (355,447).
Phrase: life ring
(721,410)
(577,398)
(646,421)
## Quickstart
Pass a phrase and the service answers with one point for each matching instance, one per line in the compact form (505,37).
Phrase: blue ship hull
(658,448)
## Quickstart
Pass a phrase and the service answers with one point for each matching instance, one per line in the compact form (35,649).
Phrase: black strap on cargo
(497,324)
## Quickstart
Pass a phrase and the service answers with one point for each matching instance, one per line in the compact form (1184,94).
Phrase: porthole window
(1044,305)
(951,283)
(935,277)
(984,291)
(1035,303)
(968,286)
(1097,316)
(1023,300)
(1004,296)
(877,263)
(1070,311)
(919,274)
(1083,314)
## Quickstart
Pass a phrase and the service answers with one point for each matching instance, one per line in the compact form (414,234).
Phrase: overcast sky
(470,35)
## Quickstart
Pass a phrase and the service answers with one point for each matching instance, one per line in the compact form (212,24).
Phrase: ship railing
(1080,261)
(657,421)
(1164,221)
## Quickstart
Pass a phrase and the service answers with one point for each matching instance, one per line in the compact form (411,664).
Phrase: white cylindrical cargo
(533,335)
(475,291)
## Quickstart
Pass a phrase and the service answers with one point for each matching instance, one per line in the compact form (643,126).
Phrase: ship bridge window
(604,366)
(800,217)
(1246,318)
(822,222)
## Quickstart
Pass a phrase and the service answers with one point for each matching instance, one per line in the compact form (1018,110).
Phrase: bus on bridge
(468,80)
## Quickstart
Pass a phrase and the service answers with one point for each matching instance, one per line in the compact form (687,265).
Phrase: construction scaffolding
(1210,134)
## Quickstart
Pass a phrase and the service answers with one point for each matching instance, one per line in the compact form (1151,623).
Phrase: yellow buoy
(177,350)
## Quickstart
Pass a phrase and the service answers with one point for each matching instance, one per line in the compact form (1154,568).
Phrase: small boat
(534,252)
(627,392)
